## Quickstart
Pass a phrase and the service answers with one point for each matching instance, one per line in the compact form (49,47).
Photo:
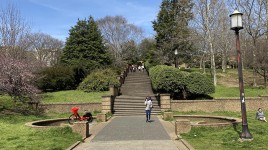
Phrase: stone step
(134,111)
(133,103)
(145,82)
(136,88)
(152,95)
(133,114)
(135,93)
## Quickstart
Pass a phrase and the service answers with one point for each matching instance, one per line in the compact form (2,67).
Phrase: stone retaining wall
(223,104)
(66,107)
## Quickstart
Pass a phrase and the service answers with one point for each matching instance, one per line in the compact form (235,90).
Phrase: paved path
(131,133)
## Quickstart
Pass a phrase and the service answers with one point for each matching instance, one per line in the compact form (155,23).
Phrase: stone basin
(209,121)
(48,123)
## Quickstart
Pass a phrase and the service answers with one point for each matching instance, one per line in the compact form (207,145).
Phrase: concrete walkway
(132,133)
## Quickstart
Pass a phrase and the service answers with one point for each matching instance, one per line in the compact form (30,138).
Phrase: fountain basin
(48,123)
(209,121)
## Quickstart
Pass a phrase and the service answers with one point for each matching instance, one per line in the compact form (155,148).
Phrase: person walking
(149,105)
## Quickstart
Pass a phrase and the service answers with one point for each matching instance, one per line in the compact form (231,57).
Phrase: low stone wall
(66,107)
(223,104)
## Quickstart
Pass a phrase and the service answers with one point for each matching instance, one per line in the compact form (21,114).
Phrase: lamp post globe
(236,25)
(236,20)
(176,59)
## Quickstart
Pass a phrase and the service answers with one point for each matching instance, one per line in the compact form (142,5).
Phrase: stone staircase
(136,87)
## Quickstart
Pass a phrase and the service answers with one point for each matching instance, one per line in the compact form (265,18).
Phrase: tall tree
(85,47)
(206,22)
(146,46)
(172,28)
(255,24)
(130,52)
(117,32)
(13,31)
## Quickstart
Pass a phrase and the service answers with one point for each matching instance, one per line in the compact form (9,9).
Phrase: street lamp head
(176,52)
(236,20)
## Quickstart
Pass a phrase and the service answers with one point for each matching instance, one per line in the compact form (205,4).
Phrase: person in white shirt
(149,105)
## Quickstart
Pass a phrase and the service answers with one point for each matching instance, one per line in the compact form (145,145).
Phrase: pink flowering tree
(16,79)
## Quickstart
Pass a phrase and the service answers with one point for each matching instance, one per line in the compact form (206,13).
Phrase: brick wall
(223,104)
(66,107)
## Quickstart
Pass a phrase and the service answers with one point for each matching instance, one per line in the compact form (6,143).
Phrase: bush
(56,78)
(199,84)
(180,84)
(167,79)
(99,80)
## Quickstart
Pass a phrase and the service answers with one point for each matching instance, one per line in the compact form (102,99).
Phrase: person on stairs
(149,105)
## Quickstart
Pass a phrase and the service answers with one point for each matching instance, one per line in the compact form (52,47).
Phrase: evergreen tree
(172,30)
(84,46)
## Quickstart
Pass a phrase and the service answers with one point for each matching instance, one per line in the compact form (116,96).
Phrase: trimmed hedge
(199,84)
(172,80)
(99,80)
(167,79)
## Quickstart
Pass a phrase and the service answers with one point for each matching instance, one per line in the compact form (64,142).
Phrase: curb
(74,145)
(186,144)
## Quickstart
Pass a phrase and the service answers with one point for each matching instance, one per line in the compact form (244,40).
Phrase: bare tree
(45,48)
(223,42)
(206,23)
(255,24)
(13,29)
(116,32)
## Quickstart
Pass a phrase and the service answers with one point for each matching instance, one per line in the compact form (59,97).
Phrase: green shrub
(99,80)
(180,84)
(56,78)
(199,84)
(167,79)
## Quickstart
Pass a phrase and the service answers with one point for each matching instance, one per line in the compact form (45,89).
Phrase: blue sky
(56,17)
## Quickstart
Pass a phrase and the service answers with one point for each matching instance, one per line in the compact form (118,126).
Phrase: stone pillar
(102,117)
(165,102)
(106,104)
(182,126)
(82,128)
(113,90)
(168,116)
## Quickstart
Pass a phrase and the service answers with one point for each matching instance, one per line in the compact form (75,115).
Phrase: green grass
(222,91)
(72,96)
(226,138)
(15,135)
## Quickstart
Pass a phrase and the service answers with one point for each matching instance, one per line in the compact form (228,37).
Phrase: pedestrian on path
(149,105)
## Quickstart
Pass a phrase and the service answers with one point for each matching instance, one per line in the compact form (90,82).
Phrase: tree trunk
(213,66)
(224,61)
(254,62)
(265,78)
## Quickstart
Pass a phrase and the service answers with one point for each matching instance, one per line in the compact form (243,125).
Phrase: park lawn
(223,91)
(15,135)
(72,96)
(226,138)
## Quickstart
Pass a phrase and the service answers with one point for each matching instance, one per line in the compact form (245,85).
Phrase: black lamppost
(236,25)
(176,58)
